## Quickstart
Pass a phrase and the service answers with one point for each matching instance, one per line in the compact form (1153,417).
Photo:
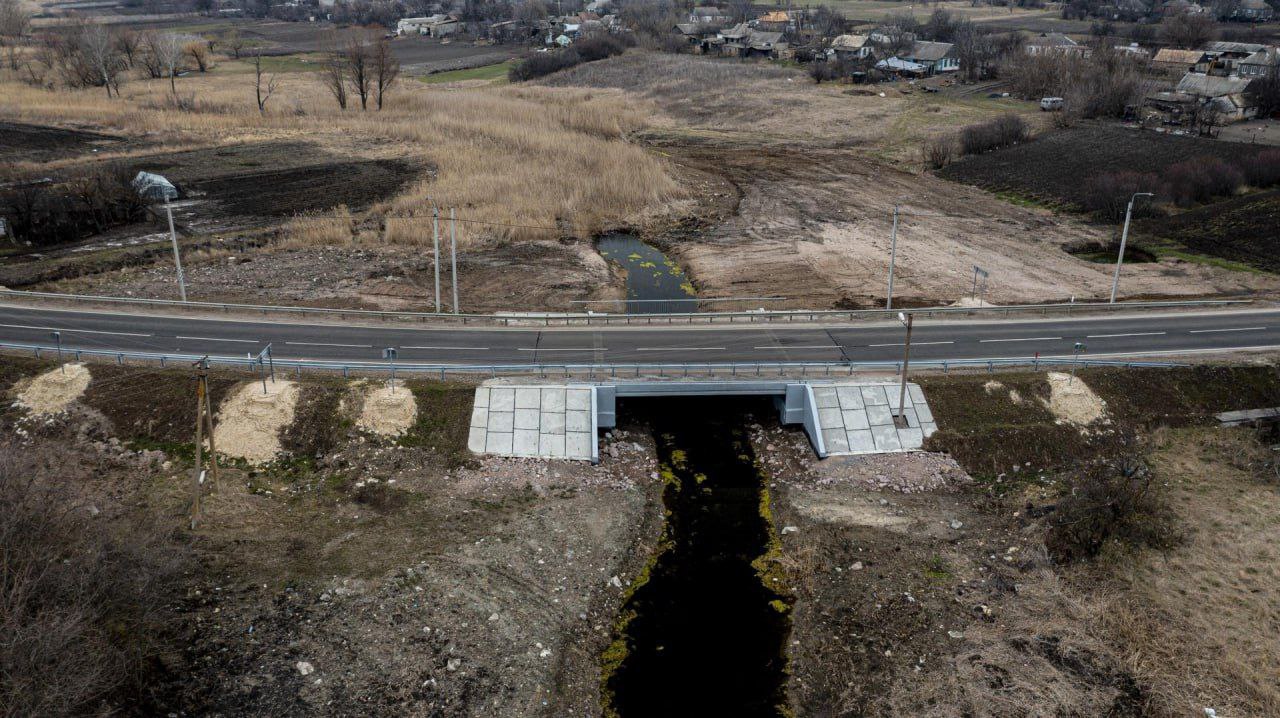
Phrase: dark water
(655,284)
(707,637)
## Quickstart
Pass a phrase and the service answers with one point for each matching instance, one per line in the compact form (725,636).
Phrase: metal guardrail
(590,371)
(604,319)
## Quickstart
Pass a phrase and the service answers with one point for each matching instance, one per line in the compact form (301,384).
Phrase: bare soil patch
(1241,229)
(388,411)
(41,143)
(249,421)
(55,390)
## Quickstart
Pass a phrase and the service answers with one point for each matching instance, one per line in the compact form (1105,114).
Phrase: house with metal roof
(934,56)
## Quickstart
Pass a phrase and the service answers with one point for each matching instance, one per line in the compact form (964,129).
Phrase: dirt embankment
(364,575)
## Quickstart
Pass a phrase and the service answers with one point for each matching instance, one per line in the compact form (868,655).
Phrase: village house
(1055,42)
(1253,11)
(935,57)
(1197,91)
(1224,56)
(851,47)
(1179,62)
(434,26)
(709,15)
(1259,64)
(777,21)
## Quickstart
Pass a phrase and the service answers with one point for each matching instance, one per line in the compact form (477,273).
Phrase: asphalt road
(1150,334)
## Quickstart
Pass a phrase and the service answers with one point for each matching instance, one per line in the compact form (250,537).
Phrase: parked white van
(1051,104)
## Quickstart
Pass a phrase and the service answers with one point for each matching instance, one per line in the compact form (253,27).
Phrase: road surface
(1149,334)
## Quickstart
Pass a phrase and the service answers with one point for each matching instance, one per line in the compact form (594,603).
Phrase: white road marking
(482,349)
(215,339)
(1211,331)
(560,349)
(898,344)
(679,349)
(1026,339)
(1134,334)
(812,346)
(322,344)
(78,331)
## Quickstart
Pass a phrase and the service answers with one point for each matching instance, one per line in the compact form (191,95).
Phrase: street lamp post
(893,256)
(906,319)
(57,337)
(1124,238)
(177,256)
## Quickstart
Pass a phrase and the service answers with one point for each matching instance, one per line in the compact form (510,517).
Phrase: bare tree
(359,68)
(15,20)
(234,42)
(385,67)
(334,74)
(262,92)
(1188,30)
(199,53)
(96,51)
(167,48)
(127,44)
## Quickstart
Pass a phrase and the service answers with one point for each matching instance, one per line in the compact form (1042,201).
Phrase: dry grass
(532,156)
(1198,625)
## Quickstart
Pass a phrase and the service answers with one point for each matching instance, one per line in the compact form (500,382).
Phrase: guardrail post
(991,369)
(345,374)
(161,362)
(77,355)
(119,360)
(945,368)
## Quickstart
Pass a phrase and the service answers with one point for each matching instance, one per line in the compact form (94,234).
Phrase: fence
(601,319)
(693,370)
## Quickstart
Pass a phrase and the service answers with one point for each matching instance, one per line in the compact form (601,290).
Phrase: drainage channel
(704,630)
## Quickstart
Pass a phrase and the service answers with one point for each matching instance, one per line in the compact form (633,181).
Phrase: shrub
(1262,169)
(1201,179)
(937,152)
(81,604)
(543,63)
(1107,502)
(1002,131)
(1108,194)
(598,47)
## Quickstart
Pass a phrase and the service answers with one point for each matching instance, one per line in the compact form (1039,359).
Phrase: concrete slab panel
(551,445)
(577,400)
(874,395)
(528,397)
(855,420)
(835,441)
(928,427)
(917,394)
(830,418)
(879,415)
(482,396)
(499,443)
(476,439)
(502,399)
(577,445)
(825,398)
(912,419)
(553,399)
(552,423)
(861,441)
(527,418)
(503,421)
(923,412)
(886,438)
(525,442)
(910,438)
(850,397)
(480,417)
(577,421)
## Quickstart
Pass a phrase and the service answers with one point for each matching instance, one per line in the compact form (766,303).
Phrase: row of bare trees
(362,67)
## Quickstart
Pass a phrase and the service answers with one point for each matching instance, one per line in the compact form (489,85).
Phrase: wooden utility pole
(906,359)
(204,423)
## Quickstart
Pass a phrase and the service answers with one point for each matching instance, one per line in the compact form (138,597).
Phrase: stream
(655,283)
(704,634)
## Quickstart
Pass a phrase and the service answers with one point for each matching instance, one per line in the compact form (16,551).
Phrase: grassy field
(876,10)
(493,74)
(487,147)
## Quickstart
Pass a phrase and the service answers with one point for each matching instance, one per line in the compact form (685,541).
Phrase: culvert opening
(704,630)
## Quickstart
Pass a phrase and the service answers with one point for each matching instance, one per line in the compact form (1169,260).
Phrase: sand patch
(1074,402)
(388,412)
(992,387)
(53,391)
(249,421)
